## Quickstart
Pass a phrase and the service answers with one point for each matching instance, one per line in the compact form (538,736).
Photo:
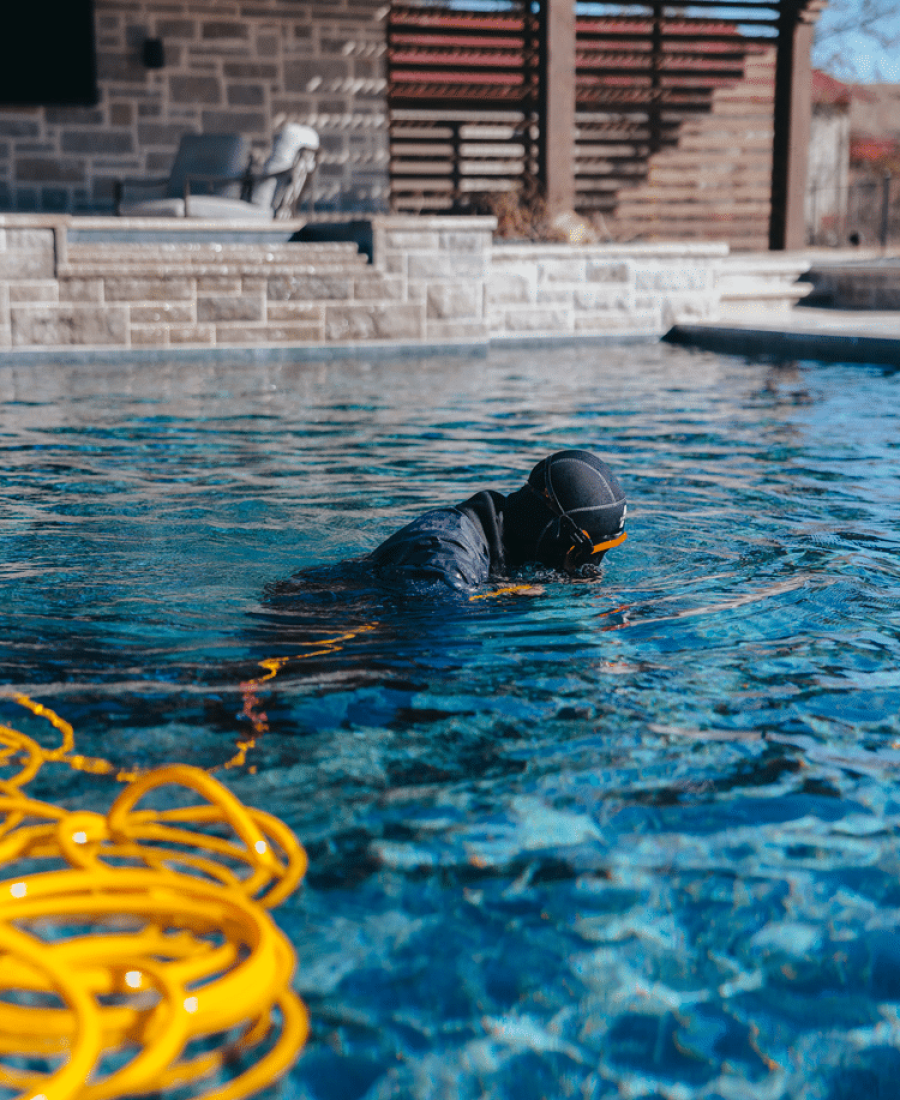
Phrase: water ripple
(626,837)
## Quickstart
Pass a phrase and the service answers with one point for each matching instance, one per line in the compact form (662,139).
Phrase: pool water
(634,836)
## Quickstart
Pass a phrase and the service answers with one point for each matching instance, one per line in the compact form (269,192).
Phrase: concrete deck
(804,332)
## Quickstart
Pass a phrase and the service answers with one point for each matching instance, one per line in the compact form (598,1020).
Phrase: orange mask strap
(609,544)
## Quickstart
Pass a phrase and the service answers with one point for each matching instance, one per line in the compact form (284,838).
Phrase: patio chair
(220,163)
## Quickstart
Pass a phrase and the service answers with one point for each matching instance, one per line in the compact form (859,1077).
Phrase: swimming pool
(635,837)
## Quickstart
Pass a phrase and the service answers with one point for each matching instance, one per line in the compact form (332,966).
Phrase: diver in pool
(568,514)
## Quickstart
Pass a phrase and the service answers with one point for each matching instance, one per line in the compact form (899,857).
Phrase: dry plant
(522,216)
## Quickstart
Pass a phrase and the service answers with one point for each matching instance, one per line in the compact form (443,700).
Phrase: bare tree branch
(852,36)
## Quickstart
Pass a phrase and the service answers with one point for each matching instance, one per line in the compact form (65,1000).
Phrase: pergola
(602,90)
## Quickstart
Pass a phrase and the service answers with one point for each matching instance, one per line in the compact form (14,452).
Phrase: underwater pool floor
(635,836)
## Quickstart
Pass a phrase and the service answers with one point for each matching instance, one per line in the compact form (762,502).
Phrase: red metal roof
(828,92)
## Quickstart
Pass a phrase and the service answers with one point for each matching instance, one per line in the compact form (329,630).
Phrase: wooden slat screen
(463,94)
(673,117)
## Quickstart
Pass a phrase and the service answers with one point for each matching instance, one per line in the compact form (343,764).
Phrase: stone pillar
(557,123)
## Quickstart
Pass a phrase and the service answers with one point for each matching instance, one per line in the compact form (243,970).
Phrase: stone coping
(782,344)
(612,250)
(205,270)
(208,225)
(182,225)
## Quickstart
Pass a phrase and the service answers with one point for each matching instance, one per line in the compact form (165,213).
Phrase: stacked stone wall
(435,280)
(234,66)
(426,286)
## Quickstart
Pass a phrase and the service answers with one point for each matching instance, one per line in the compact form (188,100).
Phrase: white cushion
(218,206)
(153,208)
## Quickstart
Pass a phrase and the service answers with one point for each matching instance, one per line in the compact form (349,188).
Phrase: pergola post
(792,120)
(557,104)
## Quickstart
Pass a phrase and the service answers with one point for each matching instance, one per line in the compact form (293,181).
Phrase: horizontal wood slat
(674,115)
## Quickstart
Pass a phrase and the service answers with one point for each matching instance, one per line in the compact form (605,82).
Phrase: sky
(860,57)
(852,57)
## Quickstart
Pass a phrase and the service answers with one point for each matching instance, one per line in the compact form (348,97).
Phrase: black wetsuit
(459,546)
(490,535)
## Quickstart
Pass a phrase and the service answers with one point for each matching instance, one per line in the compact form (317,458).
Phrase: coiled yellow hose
(136,949)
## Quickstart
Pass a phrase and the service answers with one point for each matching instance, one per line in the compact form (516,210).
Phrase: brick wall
(240,66)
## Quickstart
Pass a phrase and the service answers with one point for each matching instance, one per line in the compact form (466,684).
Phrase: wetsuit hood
(571,502)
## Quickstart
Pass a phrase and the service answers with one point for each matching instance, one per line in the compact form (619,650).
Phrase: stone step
(196,254)
(227,269)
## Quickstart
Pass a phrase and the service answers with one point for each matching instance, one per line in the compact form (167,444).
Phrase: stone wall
(435,280)
(426,286)
(590,289)
(242,66)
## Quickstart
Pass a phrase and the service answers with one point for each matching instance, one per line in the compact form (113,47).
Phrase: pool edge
(783,344)
(298,353)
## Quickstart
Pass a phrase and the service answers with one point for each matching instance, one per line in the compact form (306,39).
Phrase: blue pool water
(632,837)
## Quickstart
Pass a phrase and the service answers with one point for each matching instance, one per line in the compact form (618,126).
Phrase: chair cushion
(153,208)
(209,155)
(222,208)
(288,142)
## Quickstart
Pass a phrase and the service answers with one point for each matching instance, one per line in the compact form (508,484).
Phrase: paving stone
(508,287)
(538,320)
(479,241)
(561,271)
(446,265)
(602,271)
(36,240)
(295,311)
(364,321)
(416,240)
(231,308)
(557,294)
(58,169)
(191,334)
(377,286)
(163,313)
(146,290)
(613,321)
(601,296)
(394,263)
(456,330)
(45,291)
(81,290)
(268,334)
(227,284)
(148,336)
(52,326)
(285,288)
(447,301)
(20,263)
(195,89)
(673,278)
